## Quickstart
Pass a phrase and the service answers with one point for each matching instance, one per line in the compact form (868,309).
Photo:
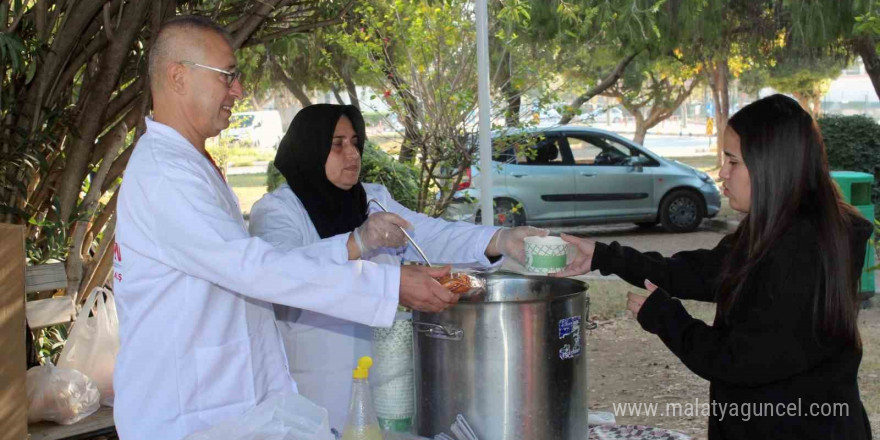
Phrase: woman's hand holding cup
(582,261)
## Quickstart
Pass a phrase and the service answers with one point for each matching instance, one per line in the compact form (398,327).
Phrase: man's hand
(583,261)
(509,242)
(419,290)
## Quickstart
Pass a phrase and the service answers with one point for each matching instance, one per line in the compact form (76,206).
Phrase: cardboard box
(13,394)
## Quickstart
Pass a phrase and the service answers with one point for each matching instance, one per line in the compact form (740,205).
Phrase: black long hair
(784,152)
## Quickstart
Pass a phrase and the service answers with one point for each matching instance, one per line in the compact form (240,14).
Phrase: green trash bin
(856,189)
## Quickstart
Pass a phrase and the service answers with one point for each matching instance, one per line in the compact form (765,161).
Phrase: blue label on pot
(570,328)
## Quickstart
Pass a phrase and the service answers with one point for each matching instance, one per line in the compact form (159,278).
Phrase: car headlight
(704,177)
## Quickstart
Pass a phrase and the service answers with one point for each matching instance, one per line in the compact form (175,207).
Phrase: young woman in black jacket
(783,353)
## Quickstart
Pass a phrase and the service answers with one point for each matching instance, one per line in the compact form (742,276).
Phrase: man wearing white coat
(194,291)
(320,157)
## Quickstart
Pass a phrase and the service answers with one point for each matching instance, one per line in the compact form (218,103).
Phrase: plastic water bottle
(362,423)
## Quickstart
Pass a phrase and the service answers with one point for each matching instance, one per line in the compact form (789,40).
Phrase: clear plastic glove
(381,229)
(509,242)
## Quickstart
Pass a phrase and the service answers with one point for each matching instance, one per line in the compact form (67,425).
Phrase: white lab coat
(323,350)
(199,342)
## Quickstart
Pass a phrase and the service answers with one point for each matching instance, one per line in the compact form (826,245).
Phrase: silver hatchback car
(567,175)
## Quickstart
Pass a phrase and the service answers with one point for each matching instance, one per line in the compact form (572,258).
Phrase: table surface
(101,422)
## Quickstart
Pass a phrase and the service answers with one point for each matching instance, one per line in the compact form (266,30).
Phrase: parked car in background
(258,129)
(569,175)
(602,115)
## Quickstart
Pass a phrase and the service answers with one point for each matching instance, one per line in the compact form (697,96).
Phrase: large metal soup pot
(513,361)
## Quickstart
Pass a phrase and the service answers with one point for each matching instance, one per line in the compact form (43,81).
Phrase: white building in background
(853,86)
(851,93)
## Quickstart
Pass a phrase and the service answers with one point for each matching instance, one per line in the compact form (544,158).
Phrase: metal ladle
(411,241)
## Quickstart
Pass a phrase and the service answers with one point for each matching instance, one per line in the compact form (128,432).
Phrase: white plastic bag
(282,416)
(60,395)
(94,342)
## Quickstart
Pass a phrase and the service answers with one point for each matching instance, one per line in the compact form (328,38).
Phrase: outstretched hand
(510,242)
(582,261)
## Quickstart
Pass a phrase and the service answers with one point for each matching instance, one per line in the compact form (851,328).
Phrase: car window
(629,151)
(598,151)
(543,152)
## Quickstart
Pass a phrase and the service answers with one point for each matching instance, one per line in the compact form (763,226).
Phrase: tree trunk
(95,106)
(294,86)
(410,113)
(247,26)
(604,85)
(301,96)
(75,256)
(866,48)
(337,95)
(74,23)
(641,131)
(718,74)
(804,101)
(351,88)
(511,93)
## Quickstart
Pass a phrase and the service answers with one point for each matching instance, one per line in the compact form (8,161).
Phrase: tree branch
(53,62)
(16,20)
(254,19)
(124,98)
(301,28)
(74,264)
(94,109)
(606,82)
(292,85)
(867,49)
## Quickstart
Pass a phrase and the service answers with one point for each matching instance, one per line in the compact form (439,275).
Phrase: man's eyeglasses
(231,77)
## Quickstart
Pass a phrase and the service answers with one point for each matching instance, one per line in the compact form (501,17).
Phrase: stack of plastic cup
(392,375)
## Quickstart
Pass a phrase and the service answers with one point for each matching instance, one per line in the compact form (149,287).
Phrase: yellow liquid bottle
(362,423)
(371,432)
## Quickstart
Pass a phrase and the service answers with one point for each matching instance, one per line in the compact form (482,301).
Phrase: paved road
(256,168)
(678,146)
(649,239)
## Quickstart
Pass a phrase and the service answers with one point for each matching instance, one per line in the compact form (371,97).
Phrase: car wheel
(681,211)
(505,214)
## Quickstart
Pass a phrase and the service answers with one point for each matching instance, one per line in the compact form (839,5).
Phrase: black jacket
(767,362)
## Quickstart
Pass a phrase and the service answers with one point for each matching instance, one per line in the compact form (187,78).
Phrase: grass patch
(236,156)
(248,188)
(608,300)
(247,180)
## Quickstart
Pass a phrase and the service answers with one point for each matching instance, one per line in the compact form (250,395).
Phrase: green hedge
(853,144)
(377,166)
